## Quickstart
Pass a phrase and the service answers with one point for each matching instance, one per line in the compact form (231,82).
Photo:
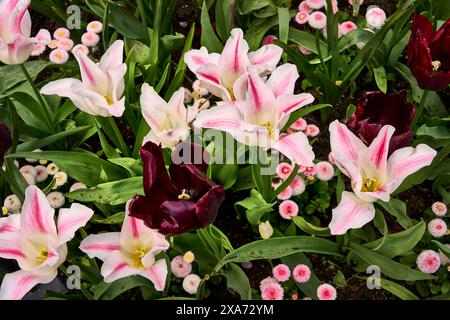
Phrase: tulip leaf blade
(209,38)
(397,208)
(310,228)
(380,78)
(238,281)
(443,247)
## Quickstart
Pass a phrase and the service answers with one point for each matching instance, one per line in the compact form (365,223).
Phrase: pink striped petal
(101,245)
(12,13)
(267,57)
(157,274)
(234,58)
(116,267)
(62,87)
(282,80)
(195,59)
(37,214)
(288,104)
(134,231)
(153,108)
(117,82)
(91,74)
(176,104)
(296,147)
(15,285)
(351,213)
(9,227)
(223,118)
(344,144)
(113,57)
(11,248)
(406,161)
(379,148)
(70,220)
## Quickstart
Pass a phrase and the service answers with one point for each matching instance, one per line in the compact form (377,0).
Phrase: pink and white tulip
(169,121)
(16,45)
(37,244)
(260,113)
(373,176)
(129,252)
(223,74)
(100,90)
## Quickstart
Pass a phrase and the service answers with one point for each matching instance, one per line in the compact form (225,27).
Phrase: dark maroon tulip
(5,140)
(185,201)
(429,54)
(378,109)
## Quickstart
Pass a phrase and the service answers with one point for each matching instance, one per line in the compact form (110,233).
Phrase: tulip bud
(265,230)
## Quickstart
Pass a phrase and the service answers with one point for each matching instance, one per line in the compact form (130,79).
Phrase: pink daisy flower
(285,194)
(65,44)
(346,27)
(95,27)
(281,272)
(284,170)
(310,171)
(301,273)
(80,48)
(302,17)
(428,261)
(268,40)
(324,171)
(59,56)
(264,282)
(61,33)
(28,170)
(439,209)
(437,228)
(315,4)
(288,209)
(326,292)
(272,291)
(41,173)
(179,267)
(298,186)
(303,6)
(90,39)
(317,20)
(312,130)
(299,124)
(375,17)
(38,49)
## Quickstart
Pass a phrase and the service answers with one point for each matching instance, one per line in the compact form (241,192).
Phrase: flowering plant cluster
(307,138)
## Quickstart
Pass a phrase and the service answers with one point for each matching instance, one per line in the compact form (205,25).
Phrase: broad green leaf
(110,291)
(380,78)
(114,219)
(397,208)
(209,38)
(310,228)
(255,206)
(133,166)
(11,75)
(238,281)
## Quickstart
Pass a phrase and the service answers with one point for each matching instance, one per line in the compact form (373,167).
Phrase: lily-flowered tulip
(429,54)
(223,74)
(5,140)
(378,109)
(15,30)
(37,244)
(261,111)
(169,121)
(130,252)
(101,87)
(373,175)
(185,201)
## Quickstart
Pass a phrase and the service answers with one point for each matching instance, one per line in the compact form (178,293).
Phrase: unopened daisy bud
(439,209)
(191,283)
(12,203)
(312,130)
(77,186)
(298,186)
(65,44)
(52,169)
(56,199)
(428,261)
(199,88)
(304,51)
(288,209)
(326,292)
(179,267)
(43,162)
(437,228)
(61,33)
(60,178)
(284,170)
(324,171)
(299,124)
(189,257)
(281,272)
(265,230)
(346,27)
(269,39)
(302,17)
(42,173)
(303,6)
(317,20)
(285,194)
(90,39)
(315,4)
(59,56)
(38,49)
(301,273)
(375,17)
(95,27)
(5,211)
(272,291)
(28,170)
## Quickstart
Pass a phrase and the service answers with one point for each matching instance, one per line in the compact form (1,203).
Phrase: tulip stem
(38,95)
(419,111)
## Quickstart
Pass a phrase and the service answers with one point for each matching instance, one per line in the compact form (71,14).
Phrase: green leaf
(110,291)
(209,38)
(303,112)
(114,219)
(443,247)
(380,78)
(262,182)
(11,75)
(387,266)
(397,290)
(224,18)
(113,193)
(255,206)
(275,248)
(238,281)
(133,166)
(121,19)
(438,132)
(310,228)
(397,208)
(307,40)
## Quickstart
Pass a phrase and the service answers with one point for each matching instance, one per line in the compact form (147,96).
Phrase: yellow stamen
(138,255)
(108,100)
(4,211)
(43,254)
(436,65)
(184,195)
(370,185)
(270,129)
(230,90)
